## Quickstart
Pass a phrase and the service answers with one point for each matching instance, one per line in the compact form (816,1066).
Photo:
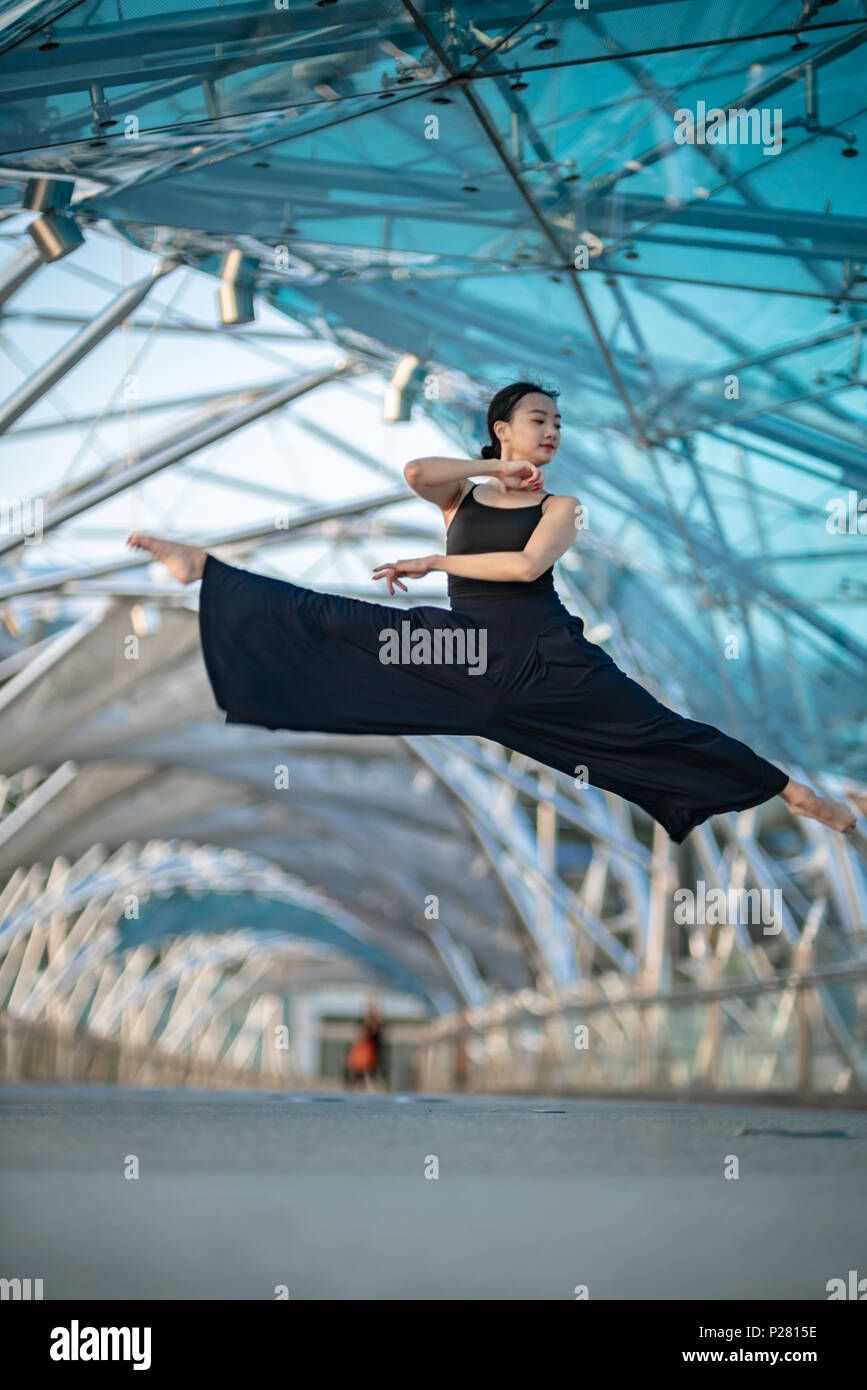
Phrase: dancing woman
(287,657)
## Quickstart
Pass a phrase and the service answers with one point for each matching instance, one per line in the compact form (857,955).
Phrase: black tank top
(477,529)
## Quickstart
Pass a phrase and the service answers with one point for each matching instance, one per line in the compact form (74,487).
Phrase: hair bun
(489,451)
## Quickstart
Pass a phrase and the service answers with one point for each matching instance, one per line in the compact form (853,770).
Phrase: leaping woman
(287,657)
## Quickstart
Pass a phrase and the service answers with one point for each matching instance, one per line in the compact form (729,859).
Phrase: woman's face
(534,430)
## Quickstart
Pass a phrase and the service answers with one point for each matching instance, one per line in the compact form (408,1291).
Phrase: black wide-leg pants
(519,671)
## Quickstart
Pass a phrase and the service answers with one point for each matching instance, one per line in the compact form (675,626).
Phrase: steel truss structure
(408,188)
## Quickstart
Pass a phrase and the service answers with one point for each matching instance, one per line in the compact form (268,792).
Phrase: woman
(362,1061)
(507,661)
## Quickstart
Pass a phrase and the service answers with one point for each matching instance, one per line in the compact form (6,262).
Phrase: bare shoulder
(560,504)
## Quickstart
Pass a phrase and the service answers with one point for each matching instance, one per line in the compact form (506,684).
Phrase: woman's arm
(438,480)
(435,480)
(498,564)
(441,480)
(552,537)
(493,564)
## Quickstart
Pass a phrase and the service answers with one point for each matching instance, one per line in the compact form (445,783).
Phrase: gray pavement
(242,1192)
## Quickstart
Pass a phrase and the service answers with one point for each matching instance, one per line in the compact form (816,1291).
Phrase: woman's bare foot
(801,801)
(185,563)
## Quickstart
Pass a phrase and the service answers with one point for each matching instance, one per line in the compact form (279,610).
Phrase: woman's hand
(519,474)
(413,569)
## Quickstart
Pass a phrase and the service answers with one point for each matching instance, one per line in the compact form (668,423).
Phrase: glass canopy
(498,192)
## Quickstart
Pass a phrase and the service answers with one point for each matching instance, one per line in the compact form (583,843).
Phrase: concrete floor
(241,1192)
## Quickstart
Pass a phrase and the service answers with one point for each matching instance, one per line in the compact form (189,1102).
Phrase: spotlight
(238,268)
(54,233)
(236,305)
(238,274)
(102,117)
(42,194)
(406,381)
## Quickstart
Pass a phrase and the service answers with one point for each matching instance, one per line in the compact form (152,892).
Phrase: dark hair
(502,407)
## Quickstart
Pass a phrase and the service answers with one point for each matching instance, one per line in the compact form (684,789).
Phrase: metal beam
(16,273)
(245,539)
(262,335)
(120,480)
(72,353)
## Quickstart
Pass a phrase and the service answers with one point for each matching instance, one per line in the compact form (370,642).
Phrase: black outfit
(287,657)
(473,531)
(375,1035)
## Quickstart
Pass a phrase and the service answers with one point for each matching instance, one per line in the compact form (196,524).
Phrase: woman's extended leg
(801,801)
(284,656)
(574,709)
(552,728)
(186,563)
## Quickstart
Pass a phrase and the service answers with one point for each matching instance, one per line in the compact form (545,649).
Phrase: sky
(295,457)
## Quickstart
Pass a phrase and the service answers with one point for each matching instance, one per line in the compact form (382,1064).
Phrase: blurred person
(362,1063)
(373,1027)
